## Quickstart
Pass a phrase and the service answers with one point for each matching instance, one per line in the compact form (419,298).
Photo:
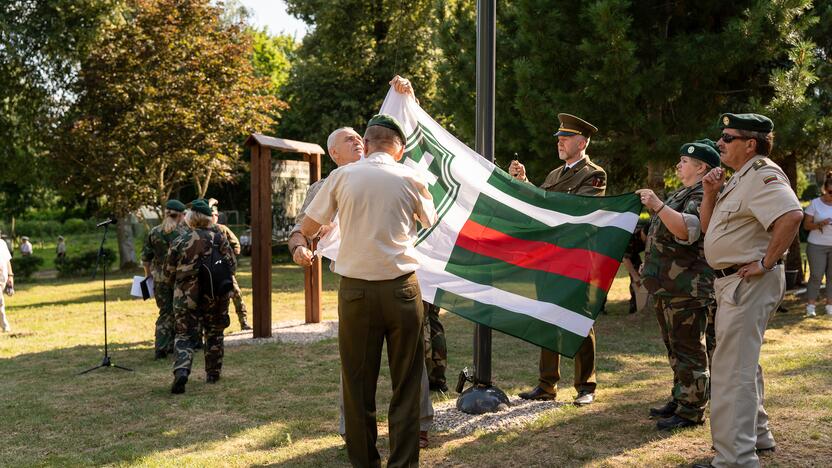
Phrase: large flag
(533,264)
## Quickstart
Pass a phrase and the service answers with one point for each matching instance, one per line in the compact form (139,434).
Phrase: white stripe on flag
(599,218)
(432,272)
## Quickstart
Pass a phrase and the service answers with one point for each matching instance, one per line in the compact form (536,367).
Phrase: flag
(505,254)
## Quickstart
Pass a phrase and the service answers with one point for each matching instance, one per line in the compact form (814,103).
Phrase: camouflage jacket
(156,247)
(673,267)
(232,238)
(180,271)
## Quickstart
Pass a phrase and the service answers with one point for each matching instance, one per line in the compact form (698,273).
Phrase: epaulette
(759,163)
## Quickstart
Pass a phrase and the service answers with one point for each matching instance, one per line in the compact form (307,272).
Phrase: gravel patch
(294,331)
(519,414)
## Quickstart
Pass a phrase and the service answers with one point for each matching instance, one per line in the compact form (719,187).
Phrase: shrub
(78,226)
(83,264)
(25,267)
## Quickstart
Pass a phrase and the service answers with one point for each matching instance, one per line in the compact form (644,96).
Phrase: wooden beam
(313,274)
(261,240)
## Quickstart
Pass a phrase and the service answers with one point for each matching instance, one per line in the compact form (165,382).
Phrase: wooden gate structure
(261,229)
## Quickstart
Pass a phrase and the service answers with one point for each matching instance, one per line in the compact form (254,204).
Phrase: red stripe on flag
(581,264)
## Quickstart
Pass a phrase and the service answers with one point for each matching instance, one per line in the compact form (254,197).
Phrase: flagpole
(483,397)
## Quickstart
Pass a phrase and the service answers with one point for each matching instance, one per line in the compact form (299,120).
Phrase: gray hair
(765,141)
(197,220)
(330,141)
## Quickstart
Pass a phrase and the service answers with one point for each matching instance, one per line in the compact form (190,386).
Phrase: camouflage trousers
(687,326)
(213,317)
(165,322)
(239,305)
(436,349)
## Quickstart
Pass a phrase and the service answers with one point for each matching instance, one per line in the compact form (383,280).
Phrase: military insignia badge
(769,179)
(597,182)
(690,149)
(726,120)
(759,163)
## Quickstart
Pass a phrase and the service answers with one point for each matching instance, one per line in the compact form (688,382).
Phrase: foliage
(25,266)
(167,95)
(83,264)
(344,64)
(272,58)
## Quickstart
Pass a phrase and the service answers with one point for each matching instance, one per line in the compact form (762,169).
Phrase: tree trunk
(126,251)
(655,176)
(794,260)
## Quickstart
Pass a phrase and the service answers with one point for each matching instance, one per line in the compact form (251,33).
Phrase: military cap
(60,237)
(703,150)
(571,125)
(388,121)
(750,122)
(24,238)
(175,205)
(200,206)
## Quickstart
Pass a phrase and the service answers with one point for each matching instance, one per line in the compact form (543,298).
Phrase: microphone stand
(106,362)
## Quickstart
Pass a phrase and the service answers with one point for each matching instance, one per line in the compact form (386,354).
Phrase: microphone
(106,222)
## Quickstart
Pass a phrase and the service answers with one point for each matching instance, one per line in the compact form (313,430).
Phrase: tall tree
(345,62)
(167,96)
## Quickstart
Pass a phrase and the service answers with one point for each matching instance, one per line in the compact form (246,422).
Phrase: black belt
(734,269)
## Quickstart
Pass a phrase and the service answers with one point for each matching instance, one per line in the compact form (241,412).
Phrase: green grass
(277,403)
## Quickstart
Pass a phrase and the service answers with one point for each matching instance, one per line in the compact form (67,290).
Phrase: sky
(272,14)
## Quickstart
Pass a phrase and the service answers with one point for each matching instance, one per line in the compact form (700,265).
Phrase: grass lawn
(277,403)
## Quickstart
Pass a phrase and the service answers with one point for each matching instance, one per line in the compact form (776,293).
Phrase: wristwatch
(763,265)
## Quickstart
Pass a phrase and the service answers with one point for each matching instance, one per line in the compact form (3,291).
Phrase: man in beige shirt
(378,202)
(748,223)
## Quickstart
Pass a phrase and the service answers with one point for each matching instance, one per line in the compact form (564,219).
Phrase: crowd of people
(713,263)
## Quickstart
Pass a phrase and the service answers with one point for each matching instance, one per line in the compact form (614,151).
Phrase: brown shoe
(537,393)
(423,439)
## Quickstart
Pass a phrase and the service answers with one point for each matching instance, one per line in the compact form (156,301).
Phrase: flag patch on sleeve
(769,179)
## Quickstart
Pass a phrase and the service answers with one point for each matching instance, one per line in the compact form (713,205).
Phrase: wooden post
(312,274)
(261,239)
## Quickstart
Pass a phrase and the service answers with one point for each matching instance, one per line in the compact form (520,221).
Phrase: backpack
(215,276)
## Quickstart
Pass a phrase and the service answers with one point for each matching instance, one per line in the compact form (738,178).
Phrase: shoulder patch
(597,181)
(770,179)
(759,163)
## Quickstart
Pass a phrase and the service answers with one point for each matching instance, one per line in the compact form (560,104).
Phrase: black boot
(180,378)
(666,411)
(212,377)
(160,354)
(675,422)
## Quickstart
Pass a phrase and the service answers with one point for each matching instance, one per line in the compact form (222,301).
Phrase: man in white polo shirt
(378,202)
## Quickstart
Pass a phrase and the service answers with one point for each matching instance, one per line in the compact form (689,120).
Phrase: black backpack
(215,276)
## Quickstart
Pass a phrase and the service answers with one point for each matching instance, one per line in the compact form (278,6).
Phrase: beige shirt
(378,202)
(754,197)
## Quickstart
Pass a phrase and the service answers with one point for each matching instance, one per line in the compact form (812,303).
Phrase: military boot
(180,378)
(666,411)
(244,324)
(213,377)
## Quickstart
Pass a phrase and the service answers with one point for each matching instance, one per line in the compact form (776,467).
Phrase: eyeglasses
(729,138)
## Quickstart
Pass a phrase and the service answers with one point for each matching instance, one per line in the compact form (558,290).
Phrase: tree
(166,96)
(344,64)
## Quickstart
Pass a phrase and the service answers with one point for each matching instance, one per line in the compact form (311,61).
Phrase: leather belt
(734,269)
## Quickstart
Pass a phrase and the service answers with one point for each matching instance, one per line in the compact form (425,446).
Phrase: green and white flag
(533,264)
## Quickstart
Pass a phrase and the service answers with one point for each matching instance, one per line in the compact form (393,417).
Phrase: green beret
(750,122)
(175,205)
(703,150)
(571,125)
(388,121)
(200,206)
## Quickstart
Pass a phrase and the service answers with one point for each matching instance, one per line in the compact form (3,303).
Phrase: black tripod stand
(106,362)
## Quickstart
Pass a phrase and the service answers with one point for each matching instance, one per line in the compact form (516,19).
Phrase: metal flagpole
(483,397)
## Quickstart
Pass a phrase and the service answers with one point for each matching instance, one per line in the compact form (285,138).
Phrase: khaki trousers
(370,312)
(739,423)
(584,367)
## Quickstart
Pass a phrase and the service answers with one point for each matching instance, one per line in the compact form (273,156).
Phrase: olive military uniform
(191,309)
(584,178)
(745,210)
(676,273)
(436,349)
(155,251)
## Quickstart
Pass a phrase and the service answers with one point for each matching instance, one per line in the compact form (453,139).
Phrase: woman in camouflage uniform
(191,308)
(676,273)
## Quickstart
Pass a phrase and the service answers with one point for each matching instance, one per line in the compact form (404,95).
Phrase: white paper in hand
(142,287)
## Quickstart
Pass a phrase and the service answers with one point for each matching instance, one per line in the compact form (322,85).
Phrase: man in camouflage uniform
(677,275)
(239,305)
(154,252)
(436,349)
(580,176)
(190,307)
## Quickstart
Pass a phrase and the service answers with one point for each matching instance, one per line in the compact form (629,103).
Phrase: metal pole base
(480,399)
(106,362)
